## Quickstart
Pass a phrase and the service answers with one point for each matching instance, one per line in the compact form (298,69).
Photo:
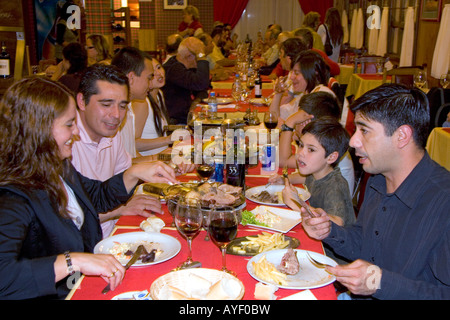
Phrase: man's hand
(318,227)
(360,277)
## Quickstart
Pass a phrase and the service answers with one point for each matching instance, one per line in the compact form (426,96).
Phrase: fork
(316,263)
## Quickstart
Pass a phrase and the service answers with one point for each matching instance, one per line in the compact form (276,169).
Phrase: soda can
(268,157)
(218,172)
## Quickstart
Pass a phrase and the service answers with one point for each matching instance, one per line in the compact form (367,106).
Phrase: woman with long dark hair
(332,28)
(151,116)
(49,220)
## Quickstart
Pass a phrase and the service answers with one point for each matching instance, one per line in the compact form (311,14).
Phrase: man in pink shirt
(99,154)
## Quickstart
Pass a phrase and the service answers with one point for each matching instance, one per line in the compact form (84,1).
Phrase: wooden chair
(403,75)
(369,64)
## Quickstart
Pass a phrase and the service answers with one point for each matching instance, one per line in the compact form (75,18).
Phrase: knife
(133,259)
(304,205)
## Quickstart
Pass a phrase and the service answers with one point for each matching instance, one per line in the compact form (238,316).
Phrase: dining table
(346,73)
(361,83)
(438,146)
(203,249)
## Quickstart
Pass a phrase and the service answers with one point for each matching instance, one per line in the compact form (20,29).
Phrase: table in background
(141,278)
(346,73)
(438,146)
(361,83)
(267,83)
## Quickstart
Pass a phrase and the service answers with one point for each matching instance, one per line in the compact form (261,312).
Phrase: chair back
(403,75)
(369,64)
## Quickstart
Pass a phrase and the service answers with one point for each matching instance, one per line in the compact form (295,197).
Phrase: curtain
(260,13)
(382,36)
(229,11)
(406,54)
(320,6)
(441,56)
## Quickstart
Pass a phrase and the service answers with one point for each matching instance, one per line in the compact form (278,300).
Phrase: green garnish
(249,218)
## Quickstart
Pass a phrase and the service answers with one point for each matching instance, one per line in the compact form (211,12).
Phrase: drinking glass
(188,220)
(171,206)
(270,120)
(222,227)
(205,171)
(445,80)
(420,79)
(250,84)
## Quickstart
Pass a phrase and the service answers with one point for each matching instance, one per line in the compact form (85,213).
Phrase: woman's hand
(156,172)
(102,265)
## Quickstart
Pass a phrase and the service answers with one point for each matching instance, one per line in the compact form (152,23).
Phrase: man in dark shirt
(401,240)
(186,74)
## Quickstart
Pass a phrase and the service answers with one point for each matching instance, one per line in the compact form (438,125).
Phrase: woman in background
(335,31)
(98,49)
(191,25)
(151,116)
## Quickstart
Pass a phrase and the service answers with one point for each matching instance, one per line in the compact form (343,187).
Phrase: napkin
(303,295)
(152,224)
(226,106)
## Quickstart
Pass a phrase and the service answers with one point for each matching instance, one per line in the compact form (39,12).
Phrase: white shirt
(149,131)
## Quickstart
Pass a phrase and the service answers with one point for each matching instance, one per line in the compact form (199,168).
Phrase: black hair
(313,68)
(331,135)
(130,59)
(394,105)
(100,72)
(292,47)
(77,57)
(321,104)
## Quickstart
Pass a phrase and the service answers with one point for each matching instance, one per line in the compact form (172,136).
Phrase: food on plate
(123,251)
(262,243)
(215,193)
(289,263)
(266,197)
(268,272)
(249,218)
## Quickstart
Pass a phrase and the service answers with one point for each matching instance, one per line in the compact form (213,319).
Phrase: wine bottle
(5,63)
(258,86)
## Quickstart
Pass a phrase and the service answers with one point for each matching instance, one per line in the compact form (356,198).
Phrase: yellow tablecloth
(361,83)
(438,146)
(345,74)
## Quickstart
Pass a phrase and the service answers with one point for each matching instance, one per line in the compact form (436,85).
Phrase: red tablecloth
(141,278)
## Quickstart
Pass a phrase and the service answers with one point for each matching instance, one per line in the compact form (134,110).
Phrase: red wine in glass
(222,231)
(205,171)
(270,124)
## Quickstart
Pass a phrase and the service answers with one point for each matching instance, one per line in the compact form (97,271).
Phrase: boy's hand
(290,193)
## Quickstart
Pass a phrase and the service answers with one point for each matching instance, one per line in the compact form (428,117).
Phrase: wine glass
(188,220)
(250,84)
(222,227)
(420,79)
(171,206)
(270,120)
(445,80)
(205,171)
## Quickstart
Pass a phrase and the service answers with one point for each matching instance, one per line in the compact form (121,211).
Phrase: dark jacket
(181,86)
(32,233)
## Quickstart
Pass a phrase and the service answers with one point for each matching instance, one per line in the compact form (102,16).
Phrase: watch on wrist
(284,127)
(70,269)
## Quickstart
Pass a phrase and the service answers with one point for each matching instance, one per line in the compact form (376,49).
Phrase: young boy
(314,105)
(323,142)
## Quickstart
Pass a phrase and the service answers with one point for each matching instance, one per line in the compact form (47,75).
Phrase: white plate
(169,245)
(288,219)
(221,100)
(272,189)
(309,276)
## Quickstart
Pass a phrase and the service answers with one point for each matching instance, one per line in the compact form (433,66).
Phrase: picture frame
(175,4)
(430,10)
